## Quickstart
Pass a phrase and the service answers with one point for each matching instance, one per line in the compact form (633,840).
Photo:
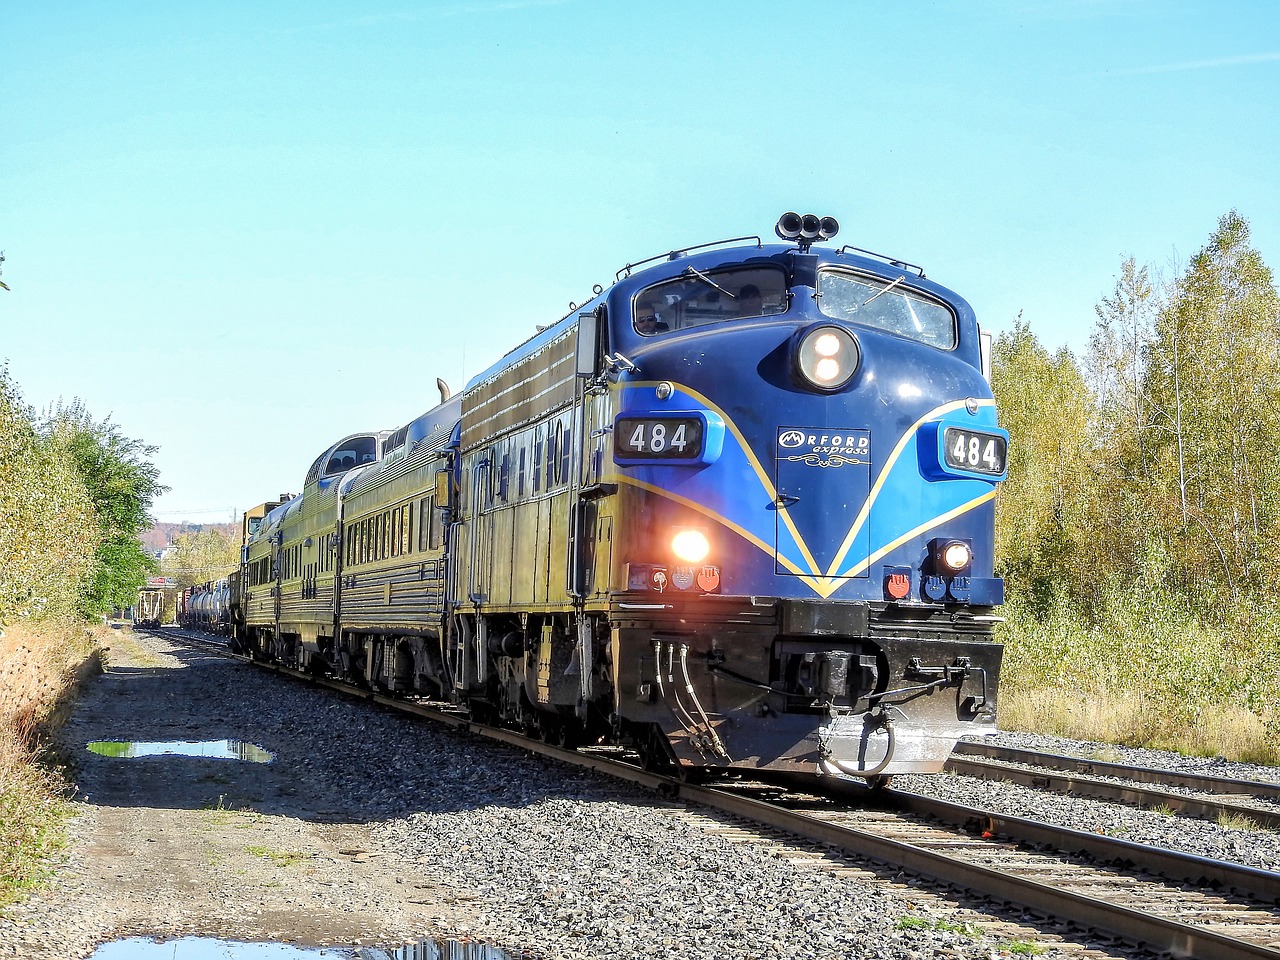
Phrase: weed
(922,923)
(1024,948)
(1236,821)
(281,858)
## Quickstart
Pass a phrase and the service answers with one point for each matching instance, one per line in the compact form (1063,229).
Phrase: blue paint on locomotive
(851,492)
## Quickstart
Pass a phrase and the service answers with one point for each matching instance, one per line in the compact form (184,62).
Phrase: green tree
(1213,380)
(49,533)
(207,554)
(1114,365)
(122,483)
(1041,507)
(1124,521)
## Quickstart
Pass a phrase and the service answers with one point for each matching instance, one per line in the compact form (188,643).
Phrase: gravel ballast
(373,828)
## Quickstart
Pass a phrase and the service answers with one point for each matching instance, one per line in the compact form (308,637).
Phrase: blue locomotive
(736,510)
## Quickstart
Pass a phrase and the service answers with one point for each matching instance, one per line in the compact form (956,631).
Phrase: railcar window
(886,305)
(696,298)
(352,453)
(504,478)
(436,526)
(562,472)
(537,460)
(554,438)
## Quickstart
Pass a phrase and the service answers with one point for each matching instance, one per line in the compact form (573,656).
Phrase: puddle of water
(202,948)
(210,749)
(439,950)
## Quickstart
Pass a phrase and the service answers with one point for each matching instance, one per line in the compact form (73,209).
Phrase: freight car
(206,606)
(149,609)
(736,510)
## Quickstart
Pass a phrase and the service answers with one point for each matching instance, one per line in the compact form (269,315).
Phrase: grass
(39,668)
(1024,948)
(1237,821)
(281,858)
(137,655)
(972,931)
(1149,670)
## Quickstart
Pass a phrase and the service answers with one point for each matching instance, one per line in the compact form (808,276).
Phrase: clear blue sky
(243,230)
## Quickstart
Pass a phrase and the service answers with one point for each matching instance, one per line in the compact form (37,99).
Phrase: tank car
(206,607)
(737,509)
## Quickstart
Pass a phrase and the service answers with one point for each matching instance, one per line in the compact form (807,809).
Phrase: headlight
(827,357)
(955,555)
(691,546)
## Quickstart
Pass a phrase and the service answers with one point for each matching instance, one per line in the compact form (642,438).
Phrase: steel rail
(1205,783)
(1199,807)
(1135,926)
(1202,872)
(1179,939)
(1254,882)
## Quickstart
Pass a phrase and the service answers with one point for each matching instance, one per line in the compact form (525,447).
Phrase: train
(149,609)
(735,511)
(206,606)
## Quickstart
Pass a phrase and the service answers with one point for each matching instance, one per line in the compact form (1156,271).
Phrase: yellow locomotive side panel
(540,560)
(502,548)
(522,551)
(558,559)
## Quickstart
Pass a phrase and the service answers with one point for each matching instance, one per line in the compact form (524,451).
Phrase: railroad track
(1215,798)
(1161,900)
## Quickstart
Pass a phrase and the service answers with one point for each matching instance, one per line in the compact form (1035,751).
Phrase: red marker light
(898,585)
(709,579)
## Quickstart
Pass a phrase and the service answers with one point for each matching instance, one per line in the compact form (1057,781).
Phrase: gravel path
(372,828)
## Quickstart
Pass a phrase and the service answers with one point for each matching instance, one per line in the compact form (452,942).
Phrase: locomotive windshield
(886,305)
(696,298)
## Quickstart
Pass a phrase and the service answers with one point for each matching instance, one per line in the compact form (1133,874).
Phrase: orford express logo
(825,447)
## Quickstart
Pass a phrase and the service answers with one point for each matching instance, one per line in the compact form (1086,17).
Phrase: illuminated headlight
(956,555)
(827,357)
(691,546)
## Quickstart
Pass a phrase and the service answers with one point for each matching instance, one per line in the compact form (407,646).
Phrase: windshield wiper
(705,279)
(881,293)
